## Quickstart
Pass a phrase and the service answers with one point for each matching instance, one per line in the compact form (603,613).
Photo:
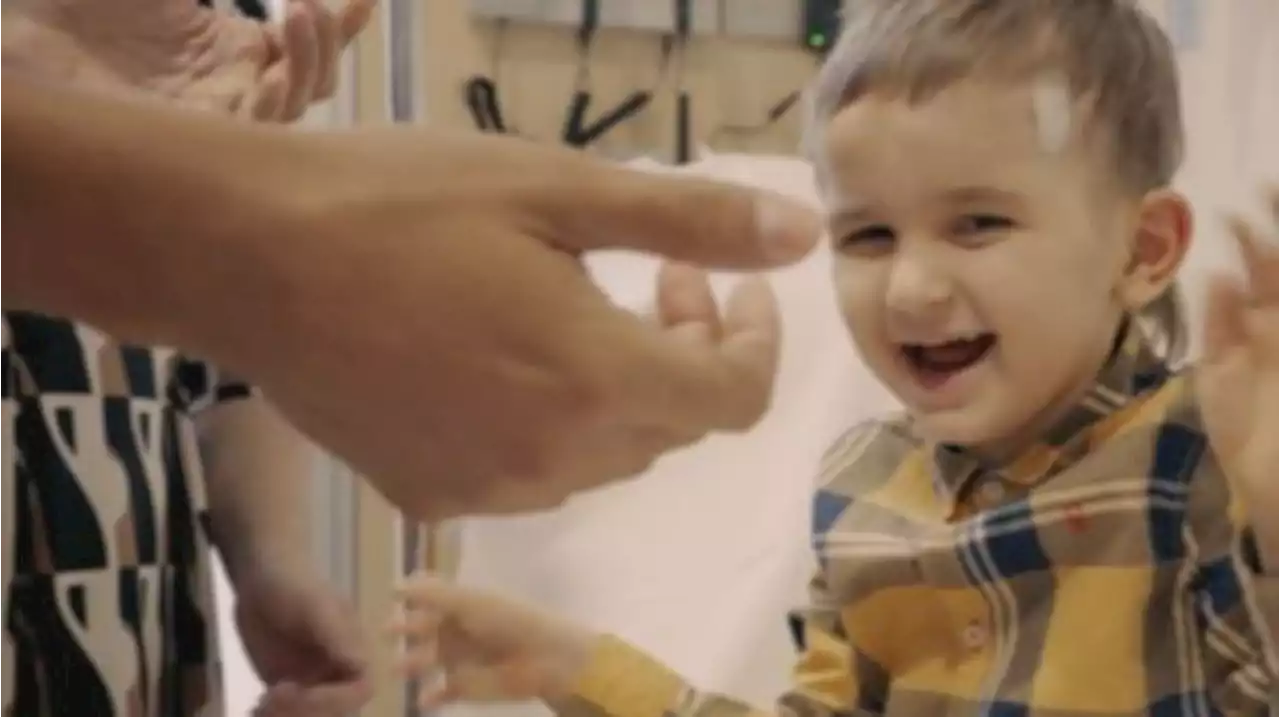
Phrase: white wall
(1229,100)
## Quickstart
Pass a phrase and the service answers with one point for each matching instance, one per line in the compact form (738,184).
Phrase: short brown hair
(1110,53)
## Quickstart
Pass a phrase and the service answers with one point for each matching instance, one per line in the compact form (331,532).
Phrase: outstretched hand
(450,345)
(415,301)
(186,53)
(471,647)
(1238,375)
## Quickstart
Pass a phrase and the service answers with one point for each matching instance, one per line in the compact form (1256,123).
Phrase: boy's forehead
(971,126)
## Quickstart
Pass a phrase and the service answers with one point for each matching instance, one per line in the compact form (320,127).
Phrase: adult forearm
(122,214)
(258,472)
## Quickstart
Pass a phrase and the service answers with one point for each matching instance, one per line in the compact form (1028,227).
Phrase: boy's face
(976,259)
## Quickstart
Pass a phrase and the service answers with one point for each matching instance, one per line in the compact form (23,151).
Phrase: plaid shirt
(1102,572)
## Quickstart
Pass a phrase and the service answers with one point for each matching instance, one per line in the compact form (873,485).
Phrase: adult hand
(410,299)
(303,642)
(440,333)
(186,53)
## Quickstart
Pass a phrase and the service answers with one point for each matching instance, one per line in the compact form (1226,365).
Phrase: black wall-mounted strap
(577,135)
(588,23)
(576,132)
(684,108)
(481,96)
(684,19)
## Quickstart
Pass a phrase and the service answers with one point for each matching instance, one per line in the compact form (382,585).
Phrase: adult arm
(412,300)
(258,470)
(122,214)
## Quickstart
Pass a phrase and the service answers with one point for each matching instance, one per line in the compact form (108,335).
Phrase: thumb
(699,221)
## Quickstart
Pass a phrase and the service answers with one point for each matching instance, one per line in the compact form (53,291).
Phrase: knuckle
(591,393)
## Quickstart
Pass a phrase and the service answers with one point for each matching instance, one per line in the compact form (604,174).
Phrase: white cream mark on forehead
(1051,107)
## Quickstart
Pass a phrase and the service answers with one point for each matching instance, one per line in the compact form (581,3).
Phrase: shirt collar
(1133,370)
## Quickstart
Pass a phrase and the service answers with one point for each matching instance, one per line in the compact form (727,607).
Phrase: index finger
(352,19)
(703,387)
(590,205)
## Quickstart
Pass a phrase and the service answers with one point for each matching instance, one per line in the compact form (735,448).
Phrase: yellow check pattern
(1101,573)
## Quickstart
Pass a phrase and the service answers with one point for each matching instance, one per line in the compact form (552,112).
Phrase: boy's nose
(918,290)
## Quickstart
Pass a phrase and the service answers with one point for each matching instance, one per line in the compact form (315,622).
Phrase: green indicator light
(817,39)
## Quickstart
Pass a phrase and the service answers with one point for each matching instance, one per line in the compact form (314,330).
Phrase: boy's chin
(966,427)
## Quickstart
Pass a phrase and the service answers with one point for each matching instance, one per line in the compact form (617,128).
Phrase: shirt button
(974,635)
(991,493)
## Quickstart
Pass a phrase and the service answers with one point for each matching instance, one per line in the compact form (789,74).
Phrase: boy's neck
(1005,450)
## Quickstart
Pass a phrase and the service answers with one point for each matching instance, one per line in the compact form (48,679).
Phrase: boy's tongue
(955,353)
(942,360)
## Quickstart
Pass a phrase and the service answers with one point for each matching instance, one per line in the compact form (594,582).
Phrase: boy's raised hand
(467,646)
(1238,377)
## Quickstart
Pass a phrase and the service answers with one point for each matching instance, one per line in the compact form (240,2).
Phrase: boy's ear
(1161,238)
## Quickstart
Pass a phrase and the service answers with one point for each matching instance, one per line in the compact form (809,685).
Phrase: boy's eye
(874,237)
(981,224)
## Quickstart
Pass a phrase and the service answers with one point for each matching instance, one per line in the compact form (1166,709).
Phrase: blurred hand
(1237,378)
(468,646)
(414,300)
(437,329)
(303,642)
(185,53)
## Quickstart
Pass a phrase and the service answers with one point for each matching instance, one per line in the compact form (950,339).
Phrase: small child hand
(485,648)
(1238,377)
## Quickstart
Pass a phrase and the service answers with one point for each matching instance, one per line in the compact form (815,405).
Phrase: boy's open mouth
(935,363)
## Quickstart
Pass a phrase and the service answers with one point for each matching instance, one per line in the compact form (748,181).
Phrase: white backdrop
(699,560)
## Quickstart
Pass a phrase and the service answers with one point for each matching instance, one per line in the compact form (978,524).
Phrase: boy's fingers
(422,661)
(429,592)
(512,681)
(1224,325)
(1261,260)
(413,623)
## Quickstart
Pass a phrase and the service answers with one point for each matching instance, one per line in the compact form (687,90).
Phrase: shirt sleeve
(1264,589)
(622,681)
(201,386)
(1236,604)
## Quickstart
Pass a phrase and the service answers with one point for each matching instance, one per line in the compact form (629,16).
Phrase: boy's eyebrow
(842,208)
(848,213)
(960,195)
(847,210)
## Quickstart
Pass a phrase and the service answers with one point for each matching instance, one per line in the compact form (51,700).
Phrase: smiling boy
(1049,527)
